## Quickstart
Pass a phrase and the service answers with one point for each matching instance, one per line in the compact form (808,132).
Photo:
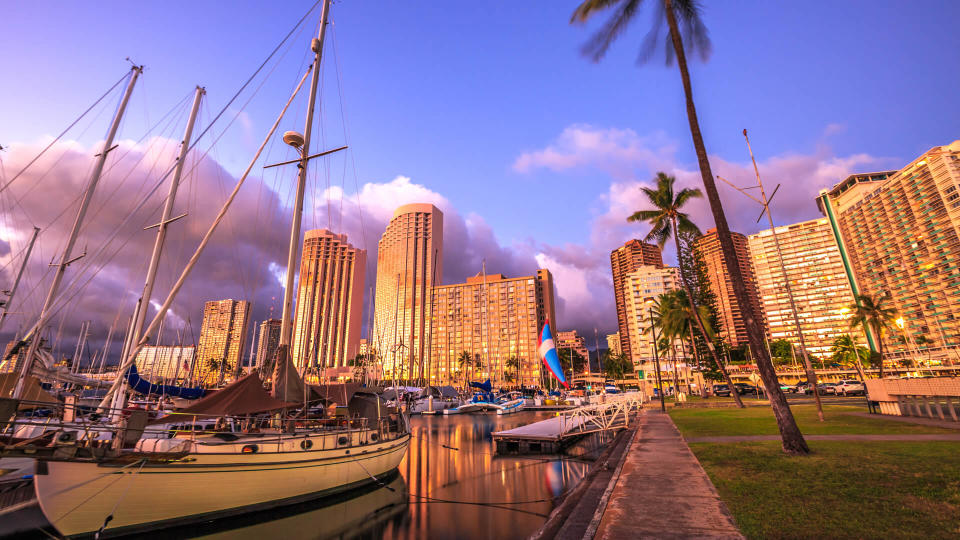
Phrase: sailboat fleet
(107,466)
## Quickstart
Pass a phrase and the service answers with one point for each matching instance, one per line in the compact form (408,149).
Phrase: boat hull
(76,497)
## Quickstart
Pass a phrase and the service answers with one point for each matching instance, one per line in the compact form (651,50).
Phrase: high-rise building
(733,326)
(269,339)
(409,264)
(642,287)
(223,333)
(817,280)
(623,260)
(613,343)
(492,318)
(161,363)
(899,232)
(570,339)
(326,327)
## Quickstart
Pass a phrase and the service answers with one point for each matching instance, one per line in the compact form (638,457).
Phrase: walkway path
(662,491)
(948,424)
(842,437)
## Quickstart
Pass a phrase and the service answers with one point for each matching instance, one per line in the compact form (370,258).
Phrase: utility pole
(16,282)
(67,257)
(765,202)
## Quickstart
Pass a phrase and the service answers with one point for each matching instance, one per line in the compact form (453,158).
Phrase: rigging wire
(64,132)
(210,127)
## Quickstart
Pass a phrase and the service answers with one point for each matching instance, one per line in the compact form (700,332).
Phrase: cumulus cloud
(246,259)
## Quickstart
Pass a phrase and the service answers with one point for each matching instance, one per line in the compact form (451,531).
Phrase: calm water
(450,485)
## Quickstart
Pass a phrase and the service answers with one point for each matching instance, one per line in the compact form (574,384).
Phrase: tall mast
(16,282)
(65,259)
(140,311)
(143,303)
(317,47)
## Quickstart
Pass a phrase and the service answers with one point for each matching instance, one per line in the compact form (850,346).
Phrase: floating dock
(551,435)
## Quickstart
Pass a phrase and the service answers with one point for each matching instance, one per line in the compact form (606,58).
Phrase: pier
(553,434)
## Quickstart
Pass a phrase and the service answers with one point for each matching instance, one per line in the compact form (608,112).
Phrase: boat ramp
(553,434)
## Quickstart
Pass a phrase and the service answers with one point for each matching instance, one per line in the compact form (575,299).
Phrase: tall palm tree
(666,220)
(684,24)
(875,312)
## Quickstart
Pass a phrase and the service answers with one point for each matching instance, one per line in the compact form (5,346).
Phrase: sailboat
(239,449)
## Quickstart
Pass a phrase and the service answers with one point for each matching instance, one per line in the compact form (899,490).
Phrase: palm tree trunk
(676,379)
(793,441)
(701,327)
(877,331)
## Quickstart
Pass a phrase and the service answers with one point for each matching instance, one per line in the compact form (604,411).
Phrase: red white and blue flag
(548,352)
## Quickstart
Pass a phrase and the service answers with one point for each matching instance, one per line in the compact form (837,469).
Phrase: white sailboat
(250,455)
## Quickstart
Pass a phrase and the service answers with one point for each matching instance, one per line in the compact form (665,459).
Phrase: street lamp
(656,357)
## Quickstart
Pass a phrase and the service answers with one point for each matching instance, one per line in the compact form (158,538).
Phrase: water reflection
(450,485)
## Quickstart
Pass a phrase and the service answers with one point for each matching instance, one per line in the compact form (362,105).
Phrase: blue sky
(454,95)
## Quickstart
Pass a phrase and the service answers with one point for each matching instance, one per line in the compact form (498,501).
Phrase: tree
(667,220)
(847,353)
(570,360)
(512,363)
(782,351)
(615,366)
(874,312)
(684,24)
(465,362)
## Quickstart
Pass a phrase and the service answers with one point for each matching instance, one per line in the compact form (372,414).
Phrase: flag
(548,352)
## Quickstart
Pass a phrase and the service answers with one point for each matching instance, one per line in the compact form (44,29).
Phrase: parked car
(851,388)
(721,390)
(801,387)
(823,388)
(744,388)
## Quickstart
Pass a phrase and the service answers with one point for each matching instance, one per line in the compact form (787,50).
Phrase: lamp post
(656,358)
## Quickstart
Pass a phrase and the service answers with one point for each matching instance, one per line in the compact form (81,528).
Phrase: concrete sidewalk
(662,491)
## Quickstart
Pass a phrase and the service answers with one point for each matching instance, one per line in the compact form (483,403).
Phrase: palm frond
(645,216)
(686,225)
(685,195)
(601,40)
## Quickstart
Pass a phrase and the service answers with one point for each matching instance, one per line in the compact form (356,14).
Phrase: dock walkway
(550,435)
(662,491)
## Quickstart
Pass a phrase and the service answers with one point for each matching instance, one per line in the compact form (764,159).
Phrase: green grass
(841,490)
(759,421)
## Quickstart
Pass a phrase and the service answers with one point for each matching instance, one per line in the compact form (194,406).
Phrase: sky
(487,109)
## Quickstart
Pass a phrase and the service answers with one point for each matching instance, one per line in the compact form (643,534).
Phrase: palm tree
(666,220)
(845,351)
(465,361)
(513,362)
(616,365)
(684,23)
(874,312)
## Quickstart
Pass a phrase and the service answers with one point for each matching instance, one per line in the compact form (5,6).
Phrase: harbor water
(450,485)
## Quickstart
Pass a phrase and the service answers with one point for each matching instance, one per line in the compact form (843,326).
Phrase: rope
(109,517)
(64,132)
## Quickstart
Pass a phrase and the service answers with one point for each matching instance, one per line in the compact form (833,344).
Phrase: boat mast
(316,46)
(16,281)
(65,259)
(140,309)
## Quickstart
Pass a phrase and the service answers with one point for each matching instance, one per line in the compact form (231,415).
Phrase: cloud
(617,152)
(631,161)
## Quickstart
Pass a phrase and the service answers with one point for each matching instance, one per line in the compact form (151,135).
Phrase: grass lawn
(759,421)
(841,490)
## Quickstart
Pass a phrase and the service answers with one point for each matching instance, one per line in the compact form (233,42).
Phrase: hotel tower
(326,327)
(899,233)
(623,260)
(409,264)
